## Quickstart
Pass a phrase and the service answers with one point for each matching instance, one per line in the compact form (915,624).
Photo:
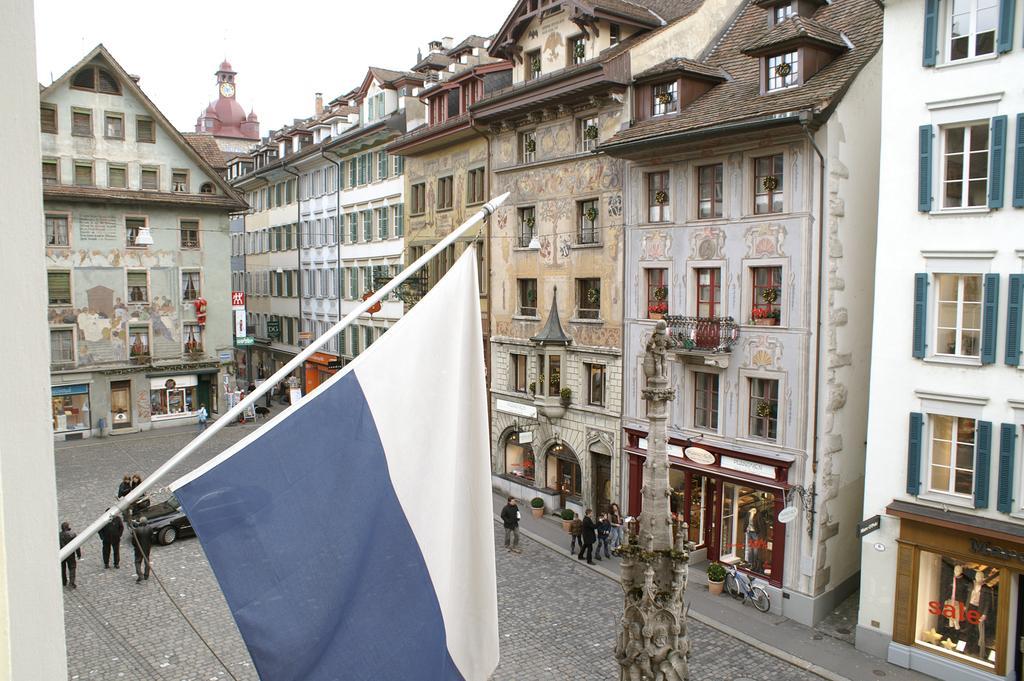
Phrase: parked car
(167,521)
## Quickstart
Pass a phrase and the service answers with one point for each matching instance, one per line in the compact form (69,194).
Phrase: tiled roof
(59,192)
(669,10)
(434,60)
(636,10)
(740,98)
(206,146)
(682,65)
(796,29)
(388,76)
(469,42)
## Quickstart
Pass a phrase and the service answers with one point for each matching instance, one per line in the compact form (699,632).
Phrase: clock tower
(225,118)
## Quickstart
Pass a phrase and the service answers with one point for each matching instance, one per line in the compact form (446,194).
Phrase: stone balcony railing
(711,338)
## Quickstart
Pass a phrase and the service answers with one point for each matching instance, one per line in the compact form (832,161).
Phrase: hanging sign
(240,324)
(238,300)
(375,308)
(525,437)
(866,527)
(787,514)
(699,455)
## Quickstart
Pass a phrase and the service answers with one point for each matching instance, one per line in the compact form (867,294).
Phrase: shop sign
(169,384)
(515,408)
(787,514)
(985,548)
(762,470)
(62,390)
(240,324)
(274,328)
(699,455)
(245,340)
(525,437)
(673,450)
(336,364)
(225,355)
(238,300)
(866,527)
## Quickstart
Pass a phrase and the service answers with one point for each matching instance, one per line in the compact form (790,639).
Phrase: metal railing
(703,334)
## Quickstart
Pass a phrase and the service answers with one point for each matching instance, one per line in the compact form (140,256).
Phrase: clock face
(227,89)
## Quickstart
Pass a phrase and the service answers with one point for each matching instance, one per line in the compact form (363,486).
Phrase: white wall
(31,605)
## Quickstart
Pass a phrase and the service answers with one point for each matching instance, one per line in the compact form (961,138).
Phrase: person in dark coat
(110,535)
(589,536)
(604,528)
(125,486)
(510,519)
(141,545)
(69,565)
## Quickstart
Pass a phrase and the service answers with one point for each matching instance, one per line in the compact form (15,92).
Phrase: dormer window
(781,12)
(665,98)
(783,71)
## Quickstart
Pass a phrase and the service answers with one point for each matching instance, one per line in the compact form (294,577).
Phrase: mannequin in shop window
(981,598)
(756,538)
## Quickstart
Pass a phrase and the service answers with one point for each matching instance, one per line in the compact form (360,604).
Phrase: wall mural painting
(596,336)
(763,352)
(142,404)
(765,240)
(615,205)
(709,244)
(655,245)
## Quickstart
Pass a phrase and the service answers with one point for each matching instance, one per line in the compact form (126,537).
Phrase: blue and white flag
(352,535)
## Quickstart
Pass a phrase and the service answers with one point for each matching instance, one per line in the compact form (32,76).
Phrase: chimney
(319,103)
(447,42)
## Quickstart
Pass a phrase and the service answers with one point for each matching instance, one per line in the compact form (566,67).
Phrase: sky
(283,53)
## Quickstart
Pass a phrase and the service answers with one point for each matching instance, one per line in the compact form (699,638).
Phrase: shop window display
(173,401)
(747,525)
(70,409)
(957,608)
(519,459)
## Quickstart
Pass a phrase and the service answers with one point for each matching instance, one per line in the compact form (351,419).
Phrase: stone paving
(557,619)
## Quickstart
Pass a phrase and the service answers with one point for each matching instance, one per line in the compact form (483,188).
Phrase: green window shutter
(924,169)
(1004,33)
(931,31)
(982,463)
(1007,453)
(989,319)
(1014,304)
(997,162)
(920,314)
(1018,164)
(914,454)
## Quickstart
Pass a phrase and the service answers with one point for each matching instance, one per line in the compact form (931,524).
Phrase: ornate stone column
(653,643)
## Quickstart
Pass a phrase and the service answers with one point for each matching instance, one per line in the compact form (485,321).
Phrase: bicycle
(740,587)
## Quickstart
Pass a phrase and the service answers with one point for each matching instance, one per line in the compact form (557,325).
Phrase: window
(145,131)
(382,165)
(951,464)
(179,180)
(965,166)
(352,179)
(190,289)
(475,186)
(59,286)
(398,215)
(192,338)
(528,146)
(47,118)
(766,297)
(138,341)
(138,286)
(614,34)
(764,407)
(95,78)
(364,169)
(189,233)
(782,12)
(588,298)
(131,231)
(57,229)
(958,318)
(709,191)
(419,199)
(587,132)
(554,377)
(444,193)
(595,384)
(149,178)
(747,527)
(972,28)
(532,64)
(586,219)
(62,346)
(368,336)
(353,227)
(577,50)
(117,176)
(399,165)
(382,223)
(83,174)
(527,297)
(81,122)
(353,283)
(705,400)
(782,71)
(527,226)
(659,208)
(657,293)
(665,98)
(768,184)
(113,126)
(51,173)
(709,292)
(367,225)
(517,372)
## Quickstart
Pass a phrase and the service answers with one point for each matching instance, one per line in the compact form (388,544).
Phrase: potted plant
(533,388)
(760,317)
(581,50)
(537,507)
(657,310)
(716,578)
(568,515)
(591,132)
(566,395)
(531,146)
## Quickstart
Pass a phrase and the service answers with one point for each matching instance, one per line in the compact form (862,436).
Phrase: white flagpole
(282,373)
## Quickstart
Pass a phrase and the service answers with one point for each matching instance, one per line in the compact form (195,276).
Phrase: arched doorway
(519,458)
(564,474)
(601,475)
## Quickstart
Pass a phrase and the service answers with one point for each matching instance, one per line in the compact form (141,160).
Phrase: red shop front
(730,501)
(319,369)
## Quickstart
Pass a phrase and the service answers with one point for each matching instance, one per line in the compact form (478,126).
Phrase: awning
(964,522)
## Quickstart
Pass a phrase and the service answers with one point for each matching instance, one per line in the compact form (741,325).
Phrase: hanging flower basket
(581,50)
(593,295)
(661,197)
(770,295)
(664,98)
(591,132)
(764,409)
(661,293)
(590,214)
(784,69)
(531,145)
(770,183)
(556,377)
(530,221)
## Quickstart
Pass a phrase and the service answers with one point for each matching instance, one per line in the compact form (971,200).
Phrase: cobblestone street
(558,619)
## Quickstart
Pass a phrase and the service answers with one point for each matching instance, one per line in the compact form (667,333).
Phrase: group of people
(606,531)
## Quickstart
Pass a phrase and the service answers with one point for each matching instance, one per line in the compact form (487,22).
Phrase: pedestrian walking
(510,519)
(604,528)
(576,533)
(125,486)
(141,545)
(203,416)
(615,520)
(110,535)
(267,397)
(589,537)
(69,565)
